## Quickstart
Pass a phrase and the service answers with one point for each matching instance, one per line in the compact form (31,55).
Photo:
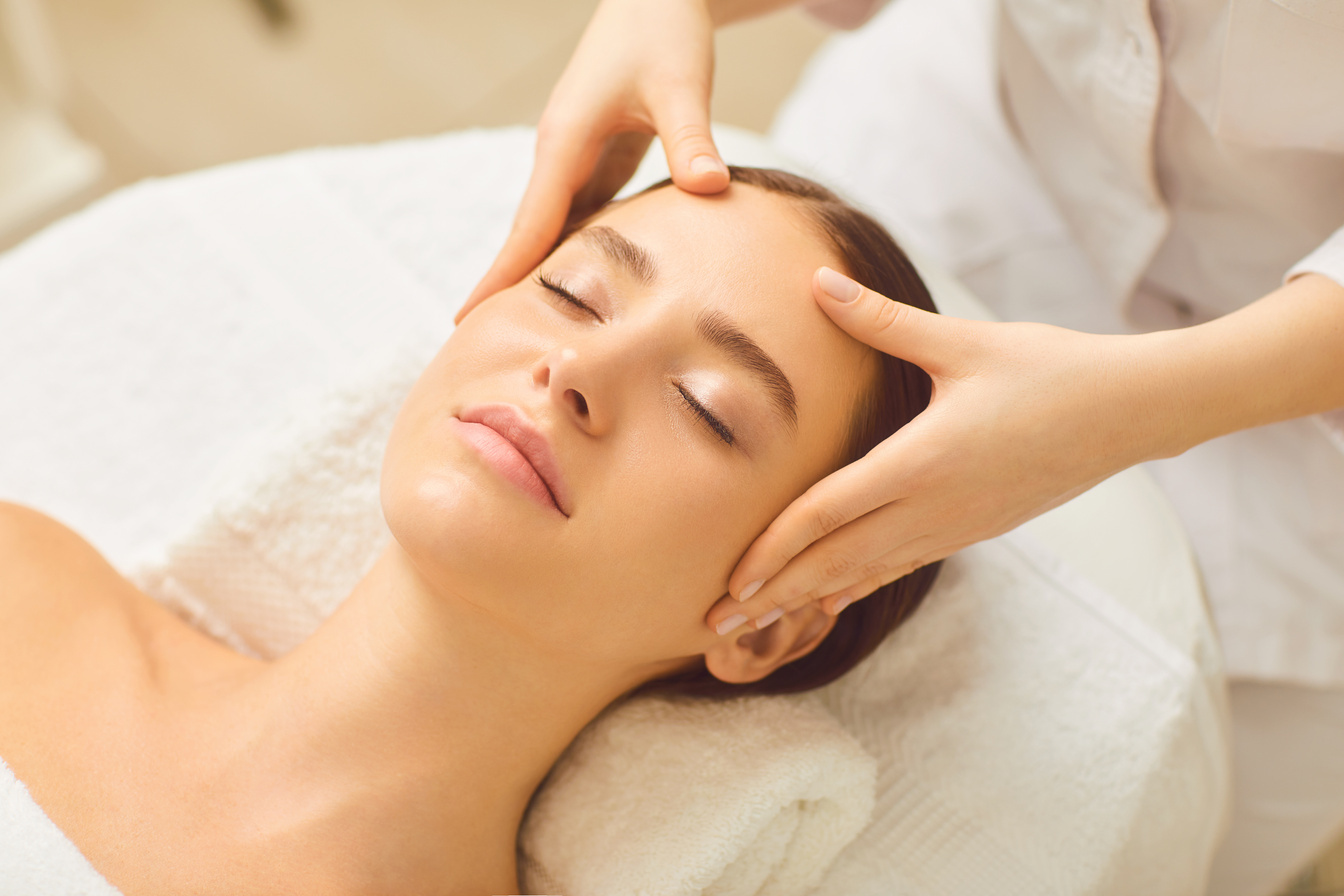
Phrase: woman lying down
(569,485)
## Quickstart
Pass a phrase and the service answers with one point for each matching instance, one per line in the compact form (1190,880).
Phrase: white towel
(288,533)
(677,797)
(36,859)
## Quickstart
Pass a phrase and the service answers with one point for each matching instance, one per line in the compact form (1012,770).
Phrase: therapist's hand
(1023,417)
(643,67)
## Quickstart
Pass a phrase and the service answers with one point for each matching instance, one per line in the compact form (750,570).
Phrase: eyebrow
(718,330)
(714,327)
(634,258)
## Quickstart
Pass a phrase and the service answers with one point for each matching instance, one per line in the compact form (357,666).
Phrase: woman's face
(594,448)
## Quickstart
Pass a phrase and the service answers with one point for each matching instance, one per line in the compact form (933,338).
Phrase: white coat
(1117,165)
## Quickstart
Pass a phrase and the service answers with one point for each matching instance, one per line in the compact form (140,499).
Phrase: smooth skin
(1023,417)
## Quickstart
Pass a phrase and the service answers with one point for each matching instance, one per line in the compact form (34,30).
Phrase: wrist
(1167,401)
(1120,396)
(1275,359)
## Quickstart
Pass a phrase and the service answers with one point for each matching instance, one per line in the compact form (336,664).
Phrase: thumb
(924,338)
(692,158)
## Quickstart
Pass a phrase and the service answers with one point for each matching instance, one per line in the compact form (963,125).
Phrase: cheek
(504,331)
(673,527)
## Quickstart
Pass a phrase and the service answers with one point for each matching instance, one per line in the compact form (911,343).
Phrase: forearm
(1278,358)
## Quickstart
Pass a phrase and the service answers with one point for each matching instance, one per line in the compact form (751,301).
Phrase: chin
(454,530)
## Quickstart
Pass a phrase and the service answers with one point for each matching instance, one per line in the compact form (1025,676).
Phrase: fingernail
(837,285)
(749,589)
(769,618)
(842,603)
(707,165)
(730,623)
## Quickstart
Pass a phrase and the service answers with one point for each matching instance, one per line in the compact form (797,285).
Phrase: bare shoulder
(20,524)
(37,552)
(24,530)
(49,577)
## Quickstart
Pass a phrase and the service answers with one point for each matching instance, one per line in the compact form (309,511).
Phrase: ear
(742,658)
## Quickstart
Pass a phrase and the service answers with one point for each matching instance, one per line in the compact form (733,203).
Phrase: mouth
(517,449)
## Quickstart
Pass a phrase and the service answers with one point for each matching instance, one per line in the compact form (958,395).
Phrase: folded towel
(676,797)
(36,859)
(287,533)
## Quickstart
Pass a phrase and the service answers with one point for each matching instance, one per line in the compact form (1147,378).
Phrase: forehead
(741,236)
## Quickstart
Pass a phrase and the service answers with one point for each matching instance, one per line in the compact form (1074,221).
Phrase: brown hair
(899,392)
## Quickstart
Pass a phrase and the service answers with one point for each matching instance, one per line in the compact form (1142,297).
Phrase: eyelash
(565,295)
(714,423)
(709,419)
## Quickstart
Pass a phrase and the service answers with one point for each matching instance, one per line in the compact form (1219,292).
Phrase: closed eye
(558,290)
(723,432)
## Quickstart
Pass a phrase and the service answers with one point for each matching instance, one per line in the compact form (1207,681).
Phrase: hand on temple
(1023,417)
(643,67)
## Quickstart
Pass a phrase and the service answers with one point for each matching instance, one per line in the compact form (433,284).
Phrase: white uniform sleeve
(843,13)
(1327,259)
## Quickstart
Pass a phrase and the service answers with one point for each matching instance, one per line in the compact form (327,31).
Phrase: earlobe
(747,657)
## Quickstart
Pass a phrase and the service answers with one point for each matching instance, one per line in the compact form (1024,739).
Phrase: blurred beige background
(127,89)
(163,86)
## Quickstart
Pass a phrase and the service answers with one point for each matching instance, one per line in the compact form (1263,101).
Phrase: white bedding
(1050,722)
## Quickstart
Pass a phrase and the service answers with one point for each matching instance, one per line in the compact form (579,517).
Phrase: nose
(573,386)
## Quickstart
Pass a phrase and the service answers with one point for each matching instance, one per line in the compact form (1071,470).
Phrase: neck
(417,715)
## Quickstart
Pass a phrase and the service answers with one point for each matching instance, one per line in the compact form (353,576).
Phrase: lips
(511,443)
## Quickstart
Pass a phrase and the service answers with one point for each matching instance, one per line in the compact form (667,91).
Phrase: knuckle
(837,565)
(874,575)
(824,514)
(786,592)
(684,135)
(890,316)
(884,577)
(908,567)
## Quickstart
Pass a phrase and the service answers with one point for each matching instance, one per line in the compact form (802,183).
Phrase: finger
(869,554)
(769,603)
(834,604)
(852,553)
(841,497)
(620,157)
(897,565)
(725,616)
(682,121)
(928,340)
(832,597)
(563,161)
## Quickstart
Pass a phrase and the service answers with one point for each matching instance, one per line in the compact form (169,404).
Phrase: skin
(1024,416)
(396,749)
